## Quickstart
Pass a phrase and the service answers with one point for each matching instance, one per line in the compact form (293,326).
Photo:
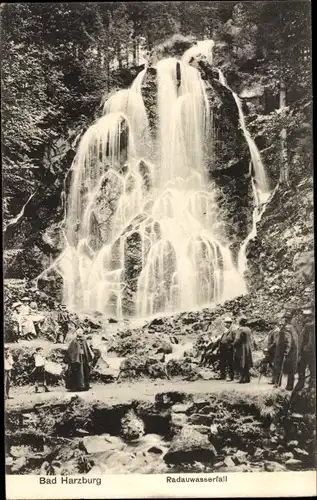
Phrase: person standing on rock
(8,365)
(226,351)
(286,353)
(209,347)
(269,351)
(78,357)
(307,351)
(243,351)
(63,320)
(39,370)
(297,320)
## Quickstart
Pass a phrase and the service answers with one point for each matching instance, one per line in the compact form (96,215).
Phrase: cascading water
(162,247)
(260,185)
(143,232)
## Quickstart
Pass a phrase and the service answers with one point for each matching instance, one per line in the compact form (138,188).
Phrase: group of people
(290,349)
(27,321)
(233,350)
(78,357)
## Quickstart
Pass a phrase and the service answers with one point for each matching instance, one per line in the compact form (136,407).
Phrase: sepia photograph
(158,249)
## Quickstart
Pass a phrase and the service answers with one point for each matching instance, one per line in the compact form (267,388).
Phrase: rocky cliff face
(284,235)
(281,257)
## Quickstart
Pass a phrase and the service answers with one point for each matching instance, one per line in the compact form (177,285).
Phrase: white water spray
(144,234)
(260,186)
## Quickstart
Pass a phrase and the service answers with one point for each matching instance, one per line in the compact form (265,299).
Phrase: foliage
(60,59)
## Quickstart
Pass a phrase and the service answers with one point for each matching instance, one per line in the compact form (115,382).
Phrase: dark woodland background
(57,70)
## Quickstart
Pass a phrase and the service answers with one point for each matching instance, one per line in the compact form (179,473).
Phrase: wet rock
(214,430)
(273,467)
(217,465)
(258,453)
(293,463)
(288,455)
(292,444)
(184,368)
(199,419)
(20,451)
(156,322)
(150,444)
(228,462)
(96,444)
(156,369)
(168,399)
(203,429)
(240,457)
(132,427)
(165,348)
(18,464)
(301,453)
(207,374)
(103,372)
(180,408)
(178,421)
(190,446)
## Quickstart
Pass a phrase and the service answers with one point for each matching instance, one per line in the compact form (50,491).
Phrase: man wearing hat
(63,320)
(243,351)
(297,320)
(226,351)
(307,351)
(286,353)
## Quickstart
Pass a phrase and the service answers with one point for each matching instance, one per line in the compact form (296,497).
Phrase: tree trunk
(284,170)
(108,73)
(119,56)
(134,51)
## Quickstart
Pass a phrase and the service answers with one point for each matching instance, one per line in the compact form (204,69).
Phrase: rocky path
(25,398)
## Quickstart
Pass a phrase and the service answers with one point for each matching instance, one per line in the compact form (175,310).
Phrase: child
(39,370)
(8,364)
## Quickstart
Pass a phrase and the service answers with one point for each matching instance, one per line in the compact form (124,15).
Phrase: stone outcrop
(177,432)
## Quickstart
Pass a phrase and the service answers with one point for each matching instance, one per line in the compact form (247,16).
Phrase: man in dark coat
(286,353)
(226,352)
(243,351)
(78,357)
(297,320)
(269,351)
(63,320)
(307,351)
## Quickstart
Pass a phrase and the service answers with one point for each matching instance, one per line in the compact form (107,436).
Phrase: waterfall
(260,185)
(164,233)
(201,48)
(144,235)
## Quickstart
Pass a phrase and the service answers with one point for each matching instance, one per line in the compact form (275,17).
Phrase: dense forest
(61,59)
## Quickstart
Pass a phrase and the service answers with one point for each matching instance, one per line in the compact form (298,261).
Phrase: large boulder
(190,446)
(132,427)
(103,443)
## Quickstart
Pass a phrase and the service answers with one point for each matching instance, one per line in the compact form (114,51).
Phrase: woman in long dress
(78,357)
